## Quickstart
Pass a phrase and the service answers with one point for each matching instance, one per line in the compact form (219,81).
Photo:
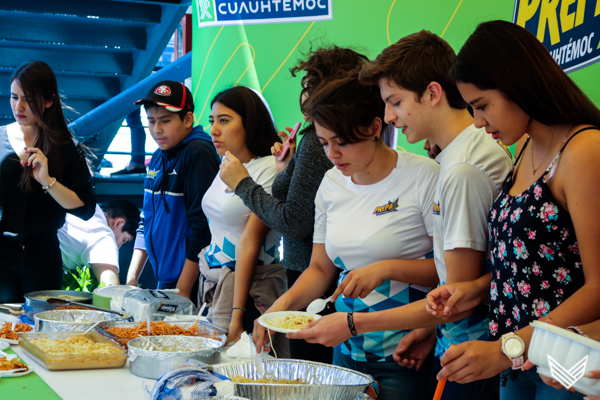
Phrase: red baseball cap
(172,96)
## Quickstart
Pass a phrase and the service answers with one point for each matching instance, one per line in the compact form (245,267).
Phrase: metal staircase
(97,48)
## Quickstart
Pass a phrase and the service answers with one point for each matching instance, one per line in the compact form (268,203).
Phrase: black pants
(32,265)
(302,350)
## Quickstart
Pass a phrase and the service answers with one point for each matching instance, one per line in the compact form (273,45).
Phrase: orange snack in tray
(7,333)
(157,328)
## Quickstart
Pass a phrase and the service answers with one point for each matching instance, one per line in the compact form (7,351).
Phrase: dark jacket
(173,225)
(26,214)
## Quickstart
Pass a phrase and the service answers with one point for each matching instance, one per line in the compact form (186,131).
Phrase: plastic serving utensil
(258,363)
(152,343)
(318,305)
(440,387)
(90,328)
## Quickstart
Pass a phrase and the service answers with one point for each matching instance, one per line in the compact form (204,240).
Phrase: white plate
(9,341)
(265,319)
(7,374)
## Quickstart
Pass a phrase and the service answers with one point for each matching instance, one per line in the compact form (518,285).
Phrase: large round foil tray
(325,381)
(146,361)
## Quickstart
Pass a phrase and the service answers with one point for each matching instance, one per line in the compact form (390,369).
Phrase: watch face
(513,347)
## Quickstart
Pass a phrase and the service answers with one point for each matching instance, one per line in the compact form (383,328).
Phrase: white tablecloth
(95,384)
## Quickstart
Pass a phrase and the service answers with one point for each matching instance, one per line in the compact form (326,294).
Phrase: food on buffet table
(60,296)
(158,328)
(6,331)
(78,345)
(14,363)
(73,307)
(270,378)
(293,321)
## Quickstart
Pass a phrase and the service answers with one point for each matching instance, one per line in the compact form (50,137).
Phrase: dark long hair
(505,56)
(324,63)
(343,105)
(260,131)
(38,83)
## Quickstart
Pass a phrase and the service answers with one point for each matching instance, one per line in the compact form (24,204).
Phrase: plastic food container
(70,320)
(204,330)
(566,348)
(324,381)
(72,361)
(146,361)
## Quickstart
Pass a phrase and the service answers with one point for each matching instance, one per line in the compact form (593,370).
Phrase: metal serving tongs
(10,309)
(62,302)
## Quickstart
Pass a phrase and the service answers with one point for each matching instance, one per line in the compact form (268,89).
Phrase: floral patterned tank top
(534,254)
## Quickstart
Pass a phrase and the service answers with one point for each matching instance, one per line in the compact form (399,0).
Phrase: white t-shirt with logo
(362,224)
(88,242)
(473,168)
(227,217)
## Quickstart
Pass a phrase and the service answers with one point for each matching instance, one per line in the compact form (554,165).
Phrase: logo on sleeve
(387,208)
(436,208)
(228,190)
(152,173)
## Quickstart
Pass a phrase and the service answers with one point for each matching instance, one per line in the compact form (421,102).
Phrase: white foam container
(567,348)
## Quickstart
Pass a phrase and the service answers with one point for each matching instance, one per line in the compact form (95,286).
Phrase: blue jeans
(138,138)
(529,386)
(395,382)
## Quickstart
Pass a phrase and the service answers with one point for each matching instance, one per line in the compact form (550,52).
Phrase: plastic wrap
(157,304)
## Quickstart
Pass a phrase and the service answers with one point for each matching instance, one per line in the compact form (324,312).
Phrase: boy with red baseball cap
(173,228)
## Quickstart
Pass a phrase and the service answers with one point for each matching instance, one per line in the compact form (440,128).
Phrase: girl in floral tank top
(534,254)
(544,227)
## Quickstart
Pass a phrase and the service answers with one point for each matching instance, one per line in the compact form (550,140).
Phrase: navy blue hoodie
(173,225)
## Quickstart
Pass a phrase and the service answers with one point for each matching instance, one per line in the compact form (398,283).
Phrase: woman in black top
(291,209)
(43,175)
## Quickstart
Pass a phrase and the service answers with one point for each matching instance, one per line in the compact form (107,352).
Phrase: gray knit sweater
(291,208)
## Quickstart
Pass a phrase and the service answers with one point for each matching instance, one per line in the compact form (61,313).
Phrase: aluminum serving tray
(147,362)
(70,320)
(72,361)
(204,330)
(325,381)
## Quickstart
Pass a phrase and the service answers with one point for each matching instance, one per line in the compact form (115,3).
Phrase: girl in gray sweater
(291,210)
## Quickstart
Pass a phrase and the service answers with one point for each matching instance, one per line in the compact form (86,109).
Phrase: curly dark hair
(324,63)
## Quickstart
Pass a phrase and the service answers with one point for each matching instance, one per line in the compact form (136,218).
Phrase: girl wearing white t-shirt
(242,260)
(373,208)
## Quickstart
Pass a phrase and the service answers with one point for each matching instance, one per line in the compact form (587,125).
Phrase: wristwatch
(513,347)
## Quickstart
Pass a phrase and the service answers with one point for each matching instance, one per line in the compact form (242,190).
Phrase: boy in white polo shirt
(96,242)
(422,101)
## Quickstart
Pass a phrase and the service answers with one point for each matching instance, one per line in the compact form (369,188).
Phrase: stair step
(126,11)
(74,33)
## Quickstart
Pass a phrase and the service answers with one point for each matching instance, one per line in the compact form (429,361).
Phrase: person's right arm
(137,265)
(311,284)
(106,273)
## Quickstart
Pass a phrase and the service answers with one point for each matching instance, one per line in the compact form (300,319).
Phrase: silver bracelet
(238,308)
(576,330)
(45,188)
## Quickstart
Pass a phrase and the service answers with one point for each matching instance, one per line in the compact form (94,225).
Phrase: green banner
(261,55)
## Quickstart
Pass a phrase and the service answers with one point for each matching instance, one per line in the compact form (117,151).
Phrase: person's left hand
(329,330)
(232,170)
(39,165)
(415,347)
(361,281)
(472,361)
